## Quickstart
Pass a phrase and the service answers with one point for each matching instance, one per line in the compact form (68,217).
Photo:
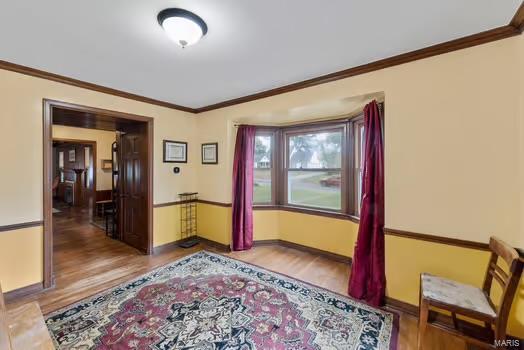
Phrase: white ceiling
(251,46)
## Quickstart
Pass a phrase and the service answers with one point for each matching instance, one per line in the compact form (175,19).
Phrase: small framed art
(210,153)
(175,151)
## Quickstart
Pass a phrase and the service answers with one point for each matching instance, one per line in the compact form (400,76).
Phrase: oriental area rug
(207,301)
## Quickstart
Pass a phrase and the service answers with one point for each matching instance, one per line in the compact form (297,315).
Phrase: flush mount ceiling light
(183,27)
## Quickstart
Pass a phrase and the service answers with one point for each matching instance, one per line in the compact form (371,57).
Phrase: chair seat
(457,294)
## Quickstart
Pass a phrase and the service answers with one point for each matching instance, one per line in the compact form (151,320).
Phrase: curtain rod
(256,126)
(259,126)
(303,122)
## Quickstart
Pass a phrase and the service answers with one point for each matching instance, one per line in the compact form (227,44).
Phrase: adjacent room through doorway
(75,161)
(98,205)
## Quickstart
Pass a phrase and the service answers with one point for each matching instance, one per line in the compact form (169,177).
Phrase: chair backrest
(5,342)
(56,181)
(508,281)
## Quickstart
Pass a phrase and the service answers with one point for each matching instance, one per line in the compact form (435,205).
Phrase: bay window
(310,167)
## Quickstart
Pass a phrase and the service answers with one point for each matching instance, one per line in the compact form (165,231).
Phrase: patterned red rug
(211,302)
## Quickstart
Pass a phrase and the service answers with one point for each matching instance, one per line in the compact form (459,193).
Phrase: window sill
(308,211)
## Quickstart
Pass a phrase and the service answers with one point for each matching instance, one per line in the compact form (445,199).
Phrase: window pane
(262,186)
(321,189)
(262,174)
(362,143)
(316,150)
(262,152)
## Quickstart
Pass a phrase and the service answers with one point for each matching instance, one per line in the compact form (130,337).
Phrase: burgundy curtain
(243,188)
(368,276)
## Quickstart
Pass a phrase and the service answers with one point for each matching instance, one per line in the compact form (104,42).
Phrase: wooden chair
(23,328)
(473,302)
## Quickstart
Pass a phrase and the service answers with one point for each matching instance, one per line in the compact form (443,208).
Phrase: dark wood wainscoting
(103,195)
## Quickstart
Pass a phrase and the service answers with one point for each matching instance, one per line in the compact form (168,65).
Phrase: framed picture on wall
(210,153)
(72,156)
(175,151)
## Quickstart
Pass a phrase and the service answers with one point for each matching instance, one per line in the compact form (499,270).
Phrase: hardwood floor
(87,262)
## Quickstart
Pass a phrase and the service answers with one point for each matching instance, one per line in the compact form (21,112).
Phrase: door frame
(48,106)
(93,155)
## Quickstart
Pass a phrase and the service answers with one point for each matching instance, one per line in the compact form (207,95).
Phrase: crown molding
(515,27)
(499,33)
(13,67)
(518,20)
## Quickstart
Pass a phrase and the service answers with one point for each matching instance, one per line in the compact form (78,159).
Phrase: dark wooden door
(134,180)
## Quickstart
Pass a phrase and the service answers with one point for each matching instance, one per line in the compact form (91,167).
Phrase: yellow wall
(332,235)
(21,126)
(337,236)
(517,319)
(21,184)
(166,225)
(454,144)
(521,137)
(451,140)
(214,222)
(104,140)
(454,164)
(21,258)
(406,258)
(266,225)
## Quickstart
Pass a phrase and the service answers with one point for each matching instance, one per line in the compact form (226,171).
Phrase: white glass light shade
(182,30)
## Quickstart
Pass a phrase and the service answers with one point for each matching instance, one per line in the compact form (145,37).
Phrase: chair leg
(422,322)
(500,334)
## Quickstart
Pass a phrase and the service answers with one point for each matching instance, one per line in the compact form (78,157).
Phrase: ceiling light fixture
(183,27)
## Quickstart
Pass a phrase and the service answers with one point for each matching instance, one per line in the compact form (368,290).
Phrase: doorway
(131,167)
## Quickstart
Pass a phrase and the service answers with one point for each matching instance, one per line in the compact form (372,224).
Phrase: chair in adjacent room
(473,302)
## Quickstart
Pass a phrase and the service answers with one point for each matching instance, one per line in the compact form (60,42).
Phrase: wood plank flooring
(87,262)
